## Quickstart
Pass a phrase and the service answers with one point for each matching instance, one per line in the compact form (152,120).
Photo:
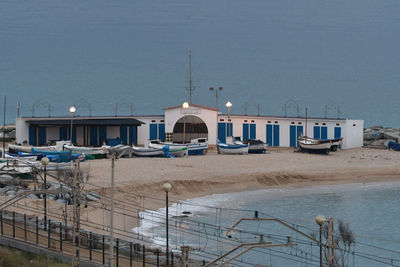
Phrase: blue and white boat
(198,146)
(232,146)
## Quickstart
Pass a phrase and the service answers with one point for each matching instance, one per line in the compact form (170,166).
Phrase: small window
(252,120)
(316,123)
(161,120)
(323,123)
(292,122)
(354,125)
(299,122)
(269,121)
(221,119)
(276,122)
(229,120)
(153,120)
(337,124)
(245,120)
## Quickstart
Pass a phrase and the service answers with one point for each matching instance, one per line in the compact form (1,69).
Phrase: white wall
(353,136)
(52,133)
(22,131)
(113,131)
(207,115)
(143,131)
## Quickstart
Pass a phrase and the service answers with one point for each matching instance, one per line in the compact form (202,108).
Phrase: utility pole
(191,88)
(112,213)
(4,127)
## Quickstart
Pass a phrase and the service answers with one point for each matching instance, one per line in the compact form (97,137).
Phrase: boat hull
(313,147)
(147,152)
(232,149)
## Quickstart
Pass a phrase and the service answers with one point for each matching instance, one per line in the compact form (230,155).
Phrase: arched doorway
(194,128)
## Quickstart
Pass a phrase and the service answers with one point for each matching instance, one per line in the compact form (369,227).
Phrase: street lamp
(72,109)
(219,89)
(320,220)
(166,187)
(45,161)
(185,107)
(229,105)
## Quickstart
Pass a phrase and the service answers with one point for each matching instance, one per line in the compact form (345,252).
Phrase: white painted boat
(177,150)
(147,152)
(224,148)
(28,149)
(198,146)
(86,150)
(312,145)
(18,157)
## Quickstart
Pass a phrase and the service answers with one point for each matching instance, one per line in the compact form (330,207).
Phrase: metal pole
(90,246)
(13,221)
(48,236)
(320,246)
(112,213)
(70,137)
(37,230)
(117,251)
(25,227)
(61,236)
(166,220)
(1,221)
(184,127)
(4,128)
(45,197)
(229,121)
(103,251)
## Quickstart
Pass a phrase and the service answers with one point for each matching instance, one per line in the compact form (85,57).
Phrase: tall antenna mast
(191,87)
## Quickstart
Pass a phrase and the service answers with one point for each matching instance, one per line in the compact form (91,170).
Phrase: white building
(200,121)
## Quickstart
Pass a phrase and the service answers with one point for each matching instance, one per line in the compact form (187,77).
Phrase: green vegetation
(16,258)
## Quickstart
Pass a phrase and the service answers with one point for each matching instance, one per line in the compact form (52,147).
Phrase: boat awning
(87,122)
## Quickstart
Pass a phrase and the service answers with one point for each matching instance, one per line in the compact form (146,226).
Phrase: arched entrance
(194,128)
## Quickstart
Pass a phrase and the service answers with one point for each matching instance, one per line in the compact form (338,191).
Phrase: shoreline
(138,181)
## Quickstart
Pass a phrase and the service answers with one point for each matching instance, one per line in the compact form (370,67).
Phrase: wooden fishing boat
(177,150)
(224,148)
(147,152)
(312,145)
(198,146)
(256,146)
(97,152)
(59,156)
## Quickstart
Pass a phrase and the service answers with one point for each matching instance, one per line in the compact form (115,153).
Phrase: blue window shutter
(324,132)
(245,131)
(338,132)
(153,131)
(276,135)
(293,134)
(102,134)
(161,131)
(222,132)
(317,132)
(269,134)
(123,134)
(252,131)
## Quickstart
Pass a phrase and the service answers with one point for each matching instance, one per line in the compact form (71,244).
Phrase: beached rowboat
(224,148)
(147,152)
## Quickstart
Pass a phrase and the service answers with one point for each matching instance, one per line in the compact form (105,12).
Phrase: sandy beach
(213,173)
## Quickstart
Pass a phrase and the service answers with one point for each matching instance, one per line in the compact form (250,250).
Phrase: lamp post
(229,105)
(72,109)
(45,161)
(166,187)
(219,89)
(185,106)
(320,220)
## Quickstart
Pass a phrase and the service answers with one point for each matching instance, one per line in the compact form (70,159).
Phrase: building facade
(178,123)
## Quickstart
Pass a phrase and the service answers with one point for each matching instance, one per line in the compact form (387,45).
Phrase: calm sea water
(317,53)
(371,210)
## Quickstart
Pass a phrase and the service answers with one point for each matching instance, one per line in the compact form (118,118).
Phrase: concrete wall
(143,131)
(22,131)
(353,136)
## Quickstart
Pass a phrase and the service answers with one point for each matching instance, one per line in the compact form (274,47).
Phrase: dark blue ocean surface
(263,52)
(370,210)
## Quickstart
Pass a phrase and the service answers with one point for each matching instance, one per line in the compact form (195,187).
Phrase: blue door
(222,132)
(133,135)
(317,132)
(324,132)
(269,135)
(93,135)
(161,131)
(276,135)
(299,132)
(245,131)
(153,131)
(42,136)
(293,140)
(338,132)
(102,134)
(252,131)
(63,133)
(123,135)
(32,135)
